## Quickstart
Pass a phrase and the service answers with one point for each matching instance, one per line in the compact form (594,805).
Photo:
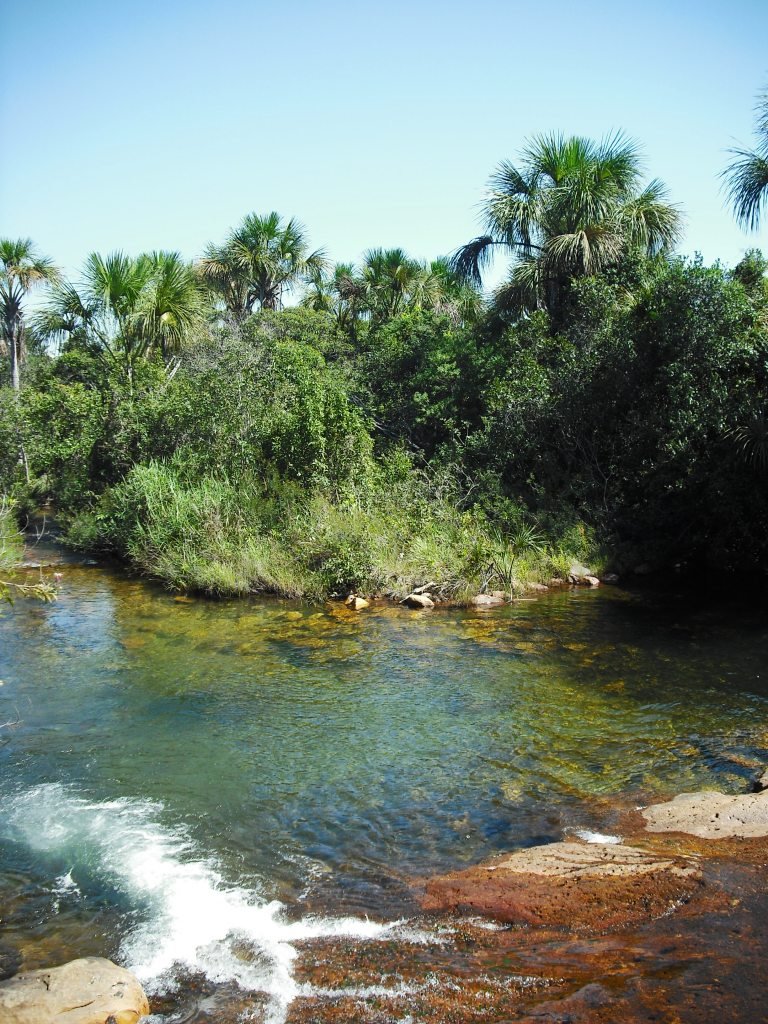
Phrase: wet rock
(711,815)
(578,573)
(487,601)
(575,886)
(592,581)
(761,782)
(87,991)
(415,600)
(356,603)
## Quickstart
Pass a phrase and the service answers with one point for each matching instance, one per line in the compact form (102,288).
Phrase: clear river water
(200,789)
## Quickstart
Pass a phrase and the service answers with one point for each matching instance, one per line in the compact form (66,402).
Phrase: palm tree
(391,281)
(170,305)
(21,268)
(746,178)
(571,208)
(126,308)
(258,262)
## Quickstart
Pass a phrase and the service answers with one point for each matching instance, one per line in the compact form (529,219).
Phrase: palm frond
(471,259)
(746,187)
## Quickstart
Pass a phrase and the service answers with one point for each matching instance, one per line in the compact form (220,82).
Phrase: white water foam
(595,837)
(191,919)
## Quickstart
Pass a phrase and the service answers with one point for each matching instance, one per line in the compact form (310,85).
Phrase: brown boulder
(356,603)
(87,991)
(591,886)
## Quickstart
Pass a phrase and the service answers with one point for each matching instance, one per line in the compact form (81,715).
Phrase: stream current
(201,790)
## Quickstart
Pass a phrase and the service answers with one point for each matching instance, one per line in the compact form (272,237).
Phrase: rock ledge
(711,815)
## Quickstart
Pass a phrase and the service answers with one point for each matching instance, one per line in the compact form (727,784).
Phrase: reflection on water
(300,750)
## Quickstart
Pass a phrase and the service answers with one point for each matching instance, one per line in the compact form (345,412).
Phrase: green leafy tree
(21,269)
(258,262)
(571,208)
(746,177)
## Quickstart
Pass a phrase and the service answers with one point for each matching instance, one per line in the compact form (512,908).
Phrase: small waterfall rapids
(189,918)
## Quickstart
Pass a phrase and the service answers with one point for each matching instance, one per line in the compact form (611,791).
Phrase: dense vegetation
(396,427)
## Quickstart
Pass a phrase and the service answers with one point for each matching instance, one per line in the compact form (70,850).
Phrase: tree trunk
(14,350)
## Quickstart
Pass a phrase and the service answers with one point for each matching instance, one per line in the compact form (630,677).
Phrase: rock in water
(589,887)
(356,603)
(418,601)
(87,991)
(487,601)
(711,815)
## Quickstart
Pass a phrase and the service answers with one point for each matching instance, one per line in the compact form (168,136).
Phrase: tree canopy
(569,208)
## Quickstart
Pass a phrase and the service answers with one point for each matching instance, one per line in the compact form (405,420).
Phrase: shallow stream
(199,789)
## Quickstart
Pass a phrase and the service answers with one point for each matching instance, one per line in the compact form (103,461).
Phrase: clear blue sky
(161,124)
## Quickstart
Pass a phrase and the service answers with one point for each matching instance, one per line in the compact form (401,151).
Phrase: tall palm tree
(126,308)
(258,262)
(570,208)
(21,269)
(746,178)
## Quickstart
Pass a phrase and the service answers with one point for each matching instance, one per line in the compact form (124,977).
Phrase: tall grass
(224,538)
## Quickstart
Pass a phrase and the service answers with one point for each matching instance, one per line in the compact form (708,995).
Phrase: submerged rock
(585,886)
(415,600)
(10,961)
(87,991)
(711,815)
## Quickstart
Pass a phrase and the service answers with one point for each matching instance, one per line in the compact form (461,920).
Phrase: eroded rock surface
(711,815)
(590,886)
(87,991)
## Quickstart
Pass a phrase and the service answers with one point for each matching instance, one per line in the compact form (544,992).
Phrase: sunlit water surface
(193,787)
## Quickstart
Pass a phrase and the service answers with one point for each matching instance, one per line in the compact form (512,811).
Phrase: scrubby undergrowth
(225,538)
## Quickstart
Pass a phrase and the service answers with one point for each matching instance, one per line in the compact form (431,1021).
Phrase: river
(204,790)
